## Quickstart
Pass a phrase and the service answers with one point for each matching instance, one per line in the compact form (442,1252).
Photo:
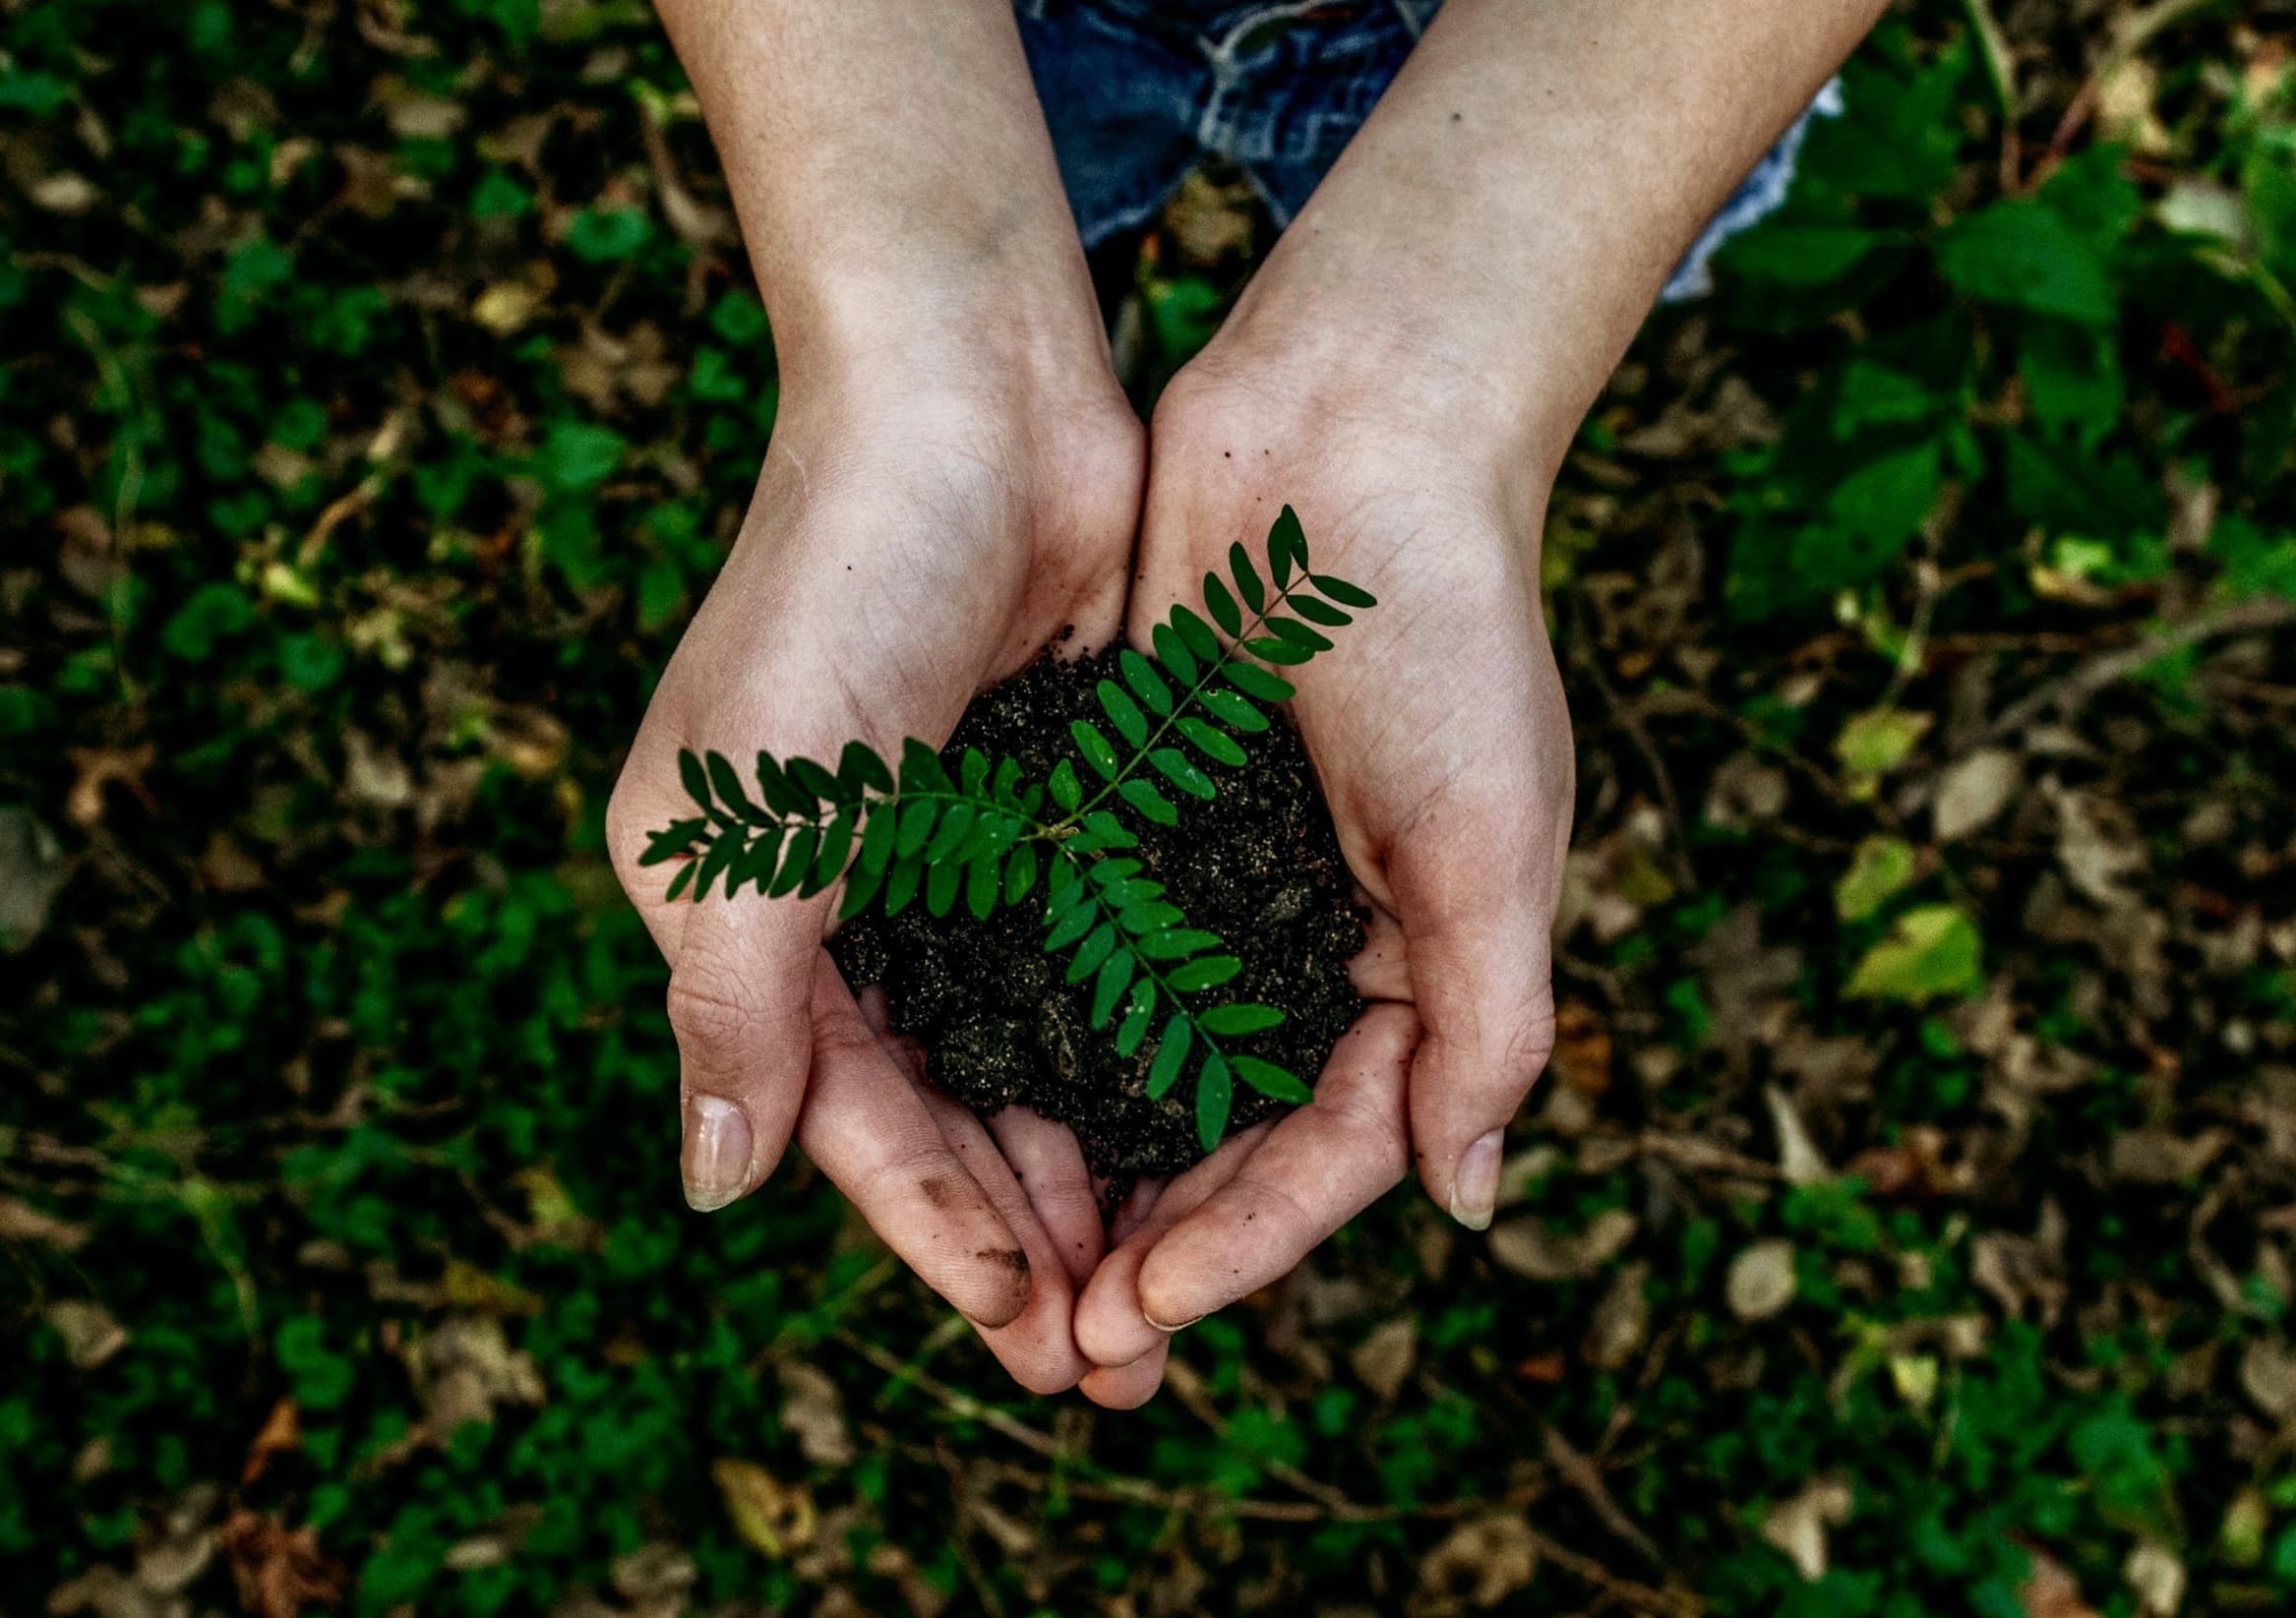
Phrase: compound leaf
(1147,685)
(1172,1051)
(1143,796)
(1174,766)
(1212,741)
(1230,709)
(695,778)
(1247,583)
(1197,632)
(1020,873)
(860,766)
(797,859)
(1215,1095)
(1272,1080)
(1223,606)
(1122,712)
(1115,974)
(1257,681)
(1175,653)
(1238,1019)
(728,783)
(1094,748)
(940,887)
(1206,972)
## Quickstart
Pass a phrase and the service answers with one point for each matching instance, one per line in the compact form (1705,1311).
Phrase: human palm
(1438,731)
(894,562)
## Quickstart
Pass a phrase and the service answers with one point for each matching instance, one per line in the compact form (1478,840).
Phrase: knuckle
(1379,1128)
(710,1014)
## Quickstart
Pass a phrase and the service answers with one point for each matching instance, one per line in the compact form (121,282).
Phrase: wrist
(1378,408)
(940,321)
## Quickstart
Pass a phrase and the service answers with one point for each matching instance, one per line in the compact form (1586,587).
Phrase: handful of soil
(1259,865)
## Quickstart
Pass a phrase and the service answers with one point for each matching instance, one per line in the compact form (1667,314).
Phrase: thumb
(1479,953)
(740,1000)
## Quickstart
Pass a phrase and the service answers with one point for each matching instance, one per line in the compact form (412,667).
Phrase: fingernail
(718,1152)
(1474,1185)
(1169,1330)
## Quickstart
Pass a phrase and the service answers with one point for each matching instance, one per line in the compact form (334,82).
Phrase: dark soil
(1259,865)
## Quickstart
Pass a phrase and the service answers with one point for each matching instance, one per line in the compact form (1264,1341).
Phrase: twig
(959,1403)
(1585,1480)
(2105,669)
(2001,67)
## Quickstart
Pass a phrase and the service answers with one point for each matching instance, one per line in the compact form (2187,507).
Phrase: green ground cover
(1908,1226)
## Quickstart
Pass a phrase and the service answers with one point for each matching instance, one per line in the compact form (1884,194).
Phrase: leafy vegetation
(384,385)
(980,831)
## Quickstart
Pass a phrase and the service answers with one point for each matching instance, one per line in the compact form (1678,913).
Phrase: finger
(1481,982)
(1320,1166)
(740,1004)
(1049,1166)
(1127,1387)
(1135,1211)
(1111,1328)
(1038,1345)
(867,1128)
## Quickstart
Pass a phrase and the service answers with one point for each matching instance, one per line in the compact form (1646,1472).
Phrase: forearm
(1510,212)
(894,179)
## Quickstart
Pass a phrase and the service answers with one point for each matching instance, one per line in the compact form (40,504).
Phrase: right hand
(910,542)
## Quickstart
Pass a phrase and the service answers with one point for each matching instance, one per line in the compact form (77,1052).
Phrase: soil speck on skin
(1259,865)
(1012,1258)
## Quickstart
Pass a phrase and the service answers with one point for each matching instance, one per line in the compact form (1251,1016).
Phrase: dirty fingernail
(1169,1330)
(1475,1187)
(718,1152)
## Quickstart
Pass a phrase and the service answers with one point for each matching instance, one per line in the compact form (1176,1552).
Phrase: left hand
(1438,730)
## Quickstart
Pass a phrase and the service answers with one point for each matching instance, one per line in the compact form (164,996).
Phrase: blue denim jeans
(1139,92)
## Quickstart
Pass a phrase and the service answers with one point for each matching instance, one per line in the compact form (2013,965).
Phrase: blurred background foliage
(1906,1227)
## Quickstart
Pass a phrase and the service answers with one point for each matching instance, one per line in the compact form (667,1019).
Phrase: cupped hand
(1438,731)
(908,544)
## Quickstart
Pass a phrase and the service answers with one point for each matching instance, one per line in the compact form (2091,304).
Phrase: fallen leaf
(1878,741)
(66,192)
(278,1572)
(1930,951)
(101,767)
(2099,847)
(1878,871)
(1761,1280)
(33,873)
(22,1222)
(1480,1564)
(1534,1248)
(281,1433)
(812,1409)
(1621,1321)
(1582,1048)
(469,1367)
(2158,1575)
(2268,1375)
(2050,1590)
(1972,791)
(506,306)
(1797,1526)
(774,1517)
(90,1335)
(1385,1357)
(1798,1158)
